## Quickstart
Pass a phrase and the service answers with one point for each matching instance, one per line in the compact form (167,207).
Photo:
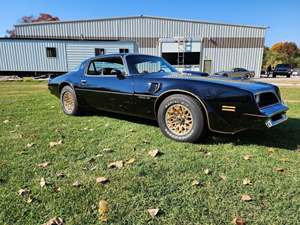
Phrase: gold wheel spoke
(179,119)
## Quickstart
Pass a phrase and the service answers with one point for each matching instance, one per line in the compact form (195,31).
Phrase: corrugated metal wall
(226,45)
(30,55)
(23,55)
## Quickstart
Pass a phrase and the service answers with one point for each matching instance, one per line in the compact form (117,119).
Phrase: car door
(107,85)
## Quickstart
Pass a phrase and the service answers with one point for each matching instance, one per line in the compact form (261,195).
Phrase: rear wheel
(68,101)
(181,118)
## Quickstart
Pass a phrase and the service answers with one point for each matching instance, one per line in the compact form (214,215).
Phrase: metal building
(189,44)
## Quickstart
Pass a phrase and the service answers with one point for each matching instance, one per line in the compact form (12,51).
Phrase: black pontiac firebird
(185,105)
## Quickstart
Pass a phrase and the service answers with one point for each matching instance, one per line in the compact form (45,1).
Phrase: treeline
(282,52)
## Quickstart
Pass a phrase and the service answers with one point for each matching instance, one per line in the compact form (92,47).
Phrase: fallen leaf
(195,183)
(238,221)
(246,198)
(130,161)
(6,121)
(153,212)
(23,191)
(279,169)
(116,164)
(146,141)
(270,151)
(247,181)
(131,130)
(103,210)
(55,143)
(60,174)
(29,145)
(154,152)
(76,184)
(43,182)
(284,159)
(43,165)
(208,154)
(101,180)
(107,150)
(223,177)
(207,171)
(29,199)
(56,189)
(55,221)
(247,157)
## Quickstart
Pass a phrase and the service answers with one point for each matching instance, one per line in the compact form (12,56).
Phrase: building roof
(138,17)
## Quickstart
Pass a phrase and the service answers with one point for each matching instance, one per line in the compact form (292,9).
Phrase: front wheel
(68,101)
(181,118)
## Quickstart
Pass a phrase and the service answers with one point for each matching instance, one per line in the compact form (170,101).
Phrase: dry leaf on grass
(23,191)
(153,212)
(195,183)
(43,182)
(55,143)
(107,150)
(145,141)
(56,189)
(223,177)
(238,221)
(101,180)
(6,121)
(270,151)
(207,171)
(246,198)
(131,130)
(76,184)
(154,152)
(279,169)
(55,221)
(44,164)
(117,164)
(247,157)
(103,210)
(29,145)
(247,181)
(60,174)
(130,161)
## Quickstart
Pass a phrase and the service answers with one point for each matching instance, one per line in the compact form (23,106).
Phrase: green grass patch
(32,115)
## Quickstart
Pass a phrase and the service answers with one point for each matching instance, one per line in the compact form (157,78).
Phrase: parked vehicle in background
(237,72)
(202,74)
(283,69)
(296,72)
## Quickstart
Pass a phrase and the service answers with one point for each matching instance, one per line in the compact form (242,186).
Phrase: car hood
(245,84)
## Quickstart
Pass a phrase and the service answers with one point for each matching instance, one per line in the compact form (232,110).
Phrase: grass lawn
(30,118)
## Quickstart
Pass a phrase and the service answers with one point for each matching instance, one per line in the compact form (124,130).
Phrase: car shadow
(285,135)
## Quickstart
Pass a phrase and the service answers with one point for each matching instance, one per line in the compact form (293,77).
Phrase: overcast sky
(283,17)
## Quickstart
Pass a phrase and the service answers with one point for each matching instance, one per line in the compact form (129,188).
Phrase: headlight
(257,99)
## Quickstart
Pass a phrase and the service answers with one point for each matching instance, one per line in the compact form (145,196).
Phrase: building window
(190,58)
(124,50)
(51,52)
(99,51)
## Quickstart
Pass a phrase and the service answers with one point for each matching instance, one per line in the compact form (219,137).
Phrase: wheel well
(63,84)
(165,95)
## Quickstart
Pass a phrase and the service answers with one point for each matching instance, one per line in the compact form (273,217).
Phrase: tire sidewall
(70,90)
(197,114)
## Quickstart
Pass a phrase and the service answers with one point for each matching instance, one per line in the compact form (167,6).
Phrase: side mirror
(120,75)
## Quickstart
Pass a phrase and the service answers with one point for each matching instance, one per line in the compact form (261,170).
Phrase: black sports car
(185,105)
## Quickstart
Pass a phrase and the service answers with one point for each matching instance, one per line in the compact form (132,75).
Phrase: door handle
(83,82)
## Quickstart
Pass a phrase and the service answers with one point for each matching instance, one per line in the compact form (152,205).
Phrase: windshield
(283,66)
(144,64)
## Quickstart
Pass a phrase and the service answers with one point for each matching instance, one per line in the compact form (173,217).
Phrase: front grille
(267,98)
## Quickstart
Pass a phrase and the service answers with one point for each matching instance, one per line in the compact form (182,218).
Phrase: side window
(51,52)
(106,66)
(124,50)
(99,51)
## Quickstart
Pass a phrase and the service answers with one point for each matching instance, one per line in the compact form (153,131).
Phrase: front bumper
(270,116)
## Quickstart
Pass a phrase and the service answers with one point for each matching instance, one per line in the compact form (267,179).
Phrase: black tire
(274,75)
(288,76)
(195,114)
(68,92)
